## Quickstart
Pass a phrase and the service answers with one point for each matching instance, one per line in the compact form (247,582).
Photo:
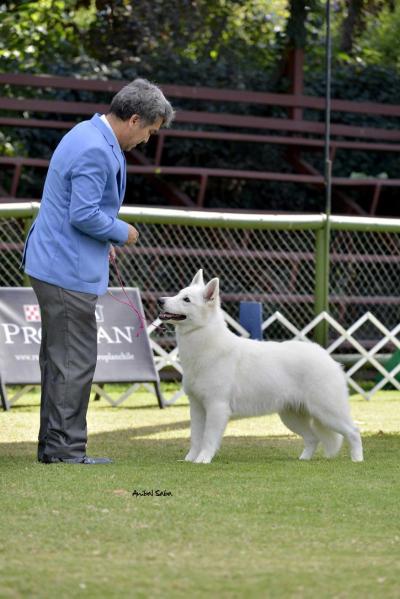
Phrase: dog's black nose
(161,301)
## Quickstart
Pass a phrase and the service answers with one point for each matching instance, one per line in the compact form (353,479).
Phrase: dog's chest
(205,375)
(196,375)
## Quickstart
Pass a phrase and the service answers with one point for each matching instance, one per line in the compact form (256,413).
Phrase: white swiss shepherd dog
(224,374)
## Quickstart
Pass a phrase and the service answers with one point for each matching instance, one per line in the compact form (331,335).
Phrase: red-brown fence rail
(291,130)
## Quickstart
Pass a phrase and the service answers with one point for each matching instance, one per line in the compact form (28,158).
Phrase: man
(66,257)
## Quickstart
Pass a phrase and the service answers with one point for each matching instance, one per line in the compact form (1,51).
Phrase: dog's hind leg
(331,440)
(299,423)
(217,416)
(197,424)
(344,425)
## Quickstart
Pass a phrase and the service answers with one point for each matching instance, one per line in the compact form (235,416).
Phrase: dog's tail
(331,441)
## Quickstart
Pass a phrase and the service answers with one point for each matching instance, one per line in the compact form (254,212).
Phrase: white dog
(225,374)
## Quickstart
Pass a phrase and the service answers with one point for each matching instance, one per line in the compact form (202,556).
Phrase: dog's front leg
(217,416)
(197,422)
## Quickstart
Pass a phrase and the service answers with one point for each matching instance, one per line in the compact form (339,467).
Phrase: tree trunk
(352,24)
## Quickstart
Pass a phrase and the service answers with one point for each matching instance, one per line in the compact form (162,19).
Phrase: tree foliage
(226,40)
(239,44)
(379,43)
(44,36)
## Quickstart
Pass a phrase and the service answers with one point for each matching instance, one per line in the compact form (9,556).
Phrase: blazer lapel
(110,137)
(123,179)
(121,176)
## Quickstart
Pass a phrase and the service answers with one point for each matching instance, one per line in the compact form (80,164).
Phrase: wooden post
(296,75)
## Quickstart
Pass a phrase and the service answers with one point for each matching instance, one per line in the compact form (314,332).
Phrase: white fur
(225,374)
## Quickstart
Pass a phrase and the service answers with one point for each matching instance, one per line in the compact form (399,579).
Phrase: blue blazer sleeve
(88,180)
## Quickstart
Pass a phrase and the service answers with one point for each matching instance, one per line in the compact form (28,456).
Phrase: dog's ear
(211,291)
(198,278)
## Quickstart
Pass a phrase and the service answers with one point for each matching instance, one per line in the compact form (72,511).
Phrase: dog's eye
(186,299)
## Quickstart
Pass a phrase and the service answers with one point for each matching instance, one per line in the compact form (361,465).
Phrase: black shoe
(84,460)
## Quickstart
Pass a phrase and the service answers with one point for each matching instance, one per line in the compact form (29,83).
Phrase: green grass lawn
(255,523)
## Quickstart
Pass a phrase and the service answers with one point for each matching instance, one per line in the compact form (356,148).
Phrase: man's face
(136,132)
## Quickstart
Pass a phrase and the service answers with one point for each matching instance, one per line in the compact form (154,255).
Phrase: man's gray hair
(144,99)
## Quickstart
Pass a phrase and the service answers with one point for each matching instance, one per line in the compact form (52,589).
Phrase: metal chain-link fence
(12,235)
(275,267)
(365,277)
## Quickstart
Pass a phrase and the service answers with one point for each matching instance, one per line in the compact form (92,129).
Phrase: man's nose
(161,301)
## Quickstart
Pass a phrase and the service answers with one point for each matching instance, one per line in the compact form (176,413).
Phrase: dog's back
(269,376)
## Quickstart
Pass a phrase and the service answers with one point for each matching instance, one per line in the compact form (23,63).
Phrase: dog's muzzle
(168,315)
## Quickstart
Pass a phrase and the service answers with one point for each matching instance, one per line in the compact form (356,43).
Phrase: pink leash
(129,303)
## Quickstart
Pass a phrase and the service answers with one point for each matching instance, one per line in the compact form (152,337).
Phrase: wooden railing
(296,134)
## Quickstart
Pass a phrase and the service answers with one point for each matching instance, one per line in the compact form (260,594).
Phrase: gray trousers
(68,355)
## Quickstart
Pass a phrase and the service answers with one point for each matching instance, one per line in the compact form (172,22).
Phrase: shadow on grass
(142,431)
(129,444)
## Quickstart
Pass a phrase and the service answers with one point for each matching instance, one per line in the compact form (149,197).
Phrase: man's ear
(211,290)
(198,278)
(134,119)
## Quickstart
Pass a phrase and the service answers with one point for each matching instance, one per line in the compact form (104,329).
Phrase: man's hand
(112,253)
(133,235)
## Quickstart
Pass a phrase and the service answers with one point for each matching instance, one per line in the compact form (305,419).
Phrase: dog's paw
(358,457)
(191,456)
(306,455)
(203,458)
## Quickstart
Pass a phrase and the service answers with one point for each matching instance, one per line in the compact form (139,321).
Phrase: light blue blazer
(69,241)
